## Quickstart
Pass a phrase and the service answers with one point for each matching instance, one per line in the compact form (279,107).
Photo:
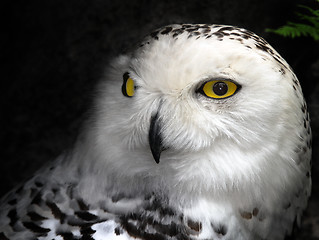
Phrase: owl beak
(155,138)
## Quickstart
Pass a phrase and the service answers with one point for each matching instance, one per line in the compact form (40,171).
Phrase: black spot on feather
(262,47)
(142,226)
(56,211)
(228,28)
(86,215)
(168,229)
(118,231)
(166,30)
(221,229)
(136,232)
(66,235)
(154,35)
(82,205)
(35,216)
(37,199)
(35,228)
(87,232)
(195,226)
(12,215)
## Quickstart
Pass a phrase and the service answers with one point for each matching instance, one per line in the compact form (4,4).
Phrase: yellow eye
(219,89)
(128,87)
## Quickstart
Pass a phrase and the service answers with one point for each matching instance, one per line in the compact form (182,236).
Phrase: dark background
(53,53)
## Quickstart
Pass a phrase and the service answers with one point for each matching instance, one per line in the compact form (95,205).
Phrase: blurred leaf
(294,30)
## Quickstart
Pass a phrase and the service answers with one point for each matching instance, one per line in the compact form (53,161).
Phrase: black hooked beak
(155,138)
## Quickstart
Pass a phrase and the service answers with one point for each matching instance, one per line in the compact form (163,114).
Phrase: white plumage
(224,117)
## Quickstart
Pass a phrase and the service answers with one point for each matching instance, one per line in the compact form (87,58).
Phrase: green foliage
(311,28)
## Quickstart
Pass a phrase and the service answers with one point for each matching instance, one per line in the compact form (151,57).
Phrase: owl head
(199,100)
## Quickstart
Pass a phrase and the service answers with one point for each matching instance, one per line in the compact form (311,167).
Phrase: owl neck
(212,173)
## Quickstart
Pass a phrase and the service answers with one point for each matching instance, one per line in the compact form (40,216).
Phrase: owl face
(185,93)
(206,109)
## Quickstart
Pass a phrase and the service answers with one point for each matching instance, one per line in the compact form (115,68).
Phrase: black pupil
(220,88)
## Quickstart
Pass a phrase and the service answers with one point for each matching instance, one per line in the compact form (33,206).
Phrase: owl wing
(45,210)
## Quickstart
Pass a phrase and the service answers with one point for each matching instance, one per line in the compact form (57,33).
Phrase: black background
(53,53)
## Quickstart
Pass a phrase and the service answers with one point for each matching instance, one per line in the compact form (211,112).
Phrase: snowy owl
(201,132)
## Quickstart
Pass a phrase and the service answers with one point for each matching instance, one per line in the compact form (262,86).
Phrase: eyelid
(218,79)
(128,85)
(206,88)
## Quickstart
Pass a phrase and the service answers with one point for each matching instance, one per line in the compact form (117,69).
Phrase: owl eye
(128,86)
(219,89)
